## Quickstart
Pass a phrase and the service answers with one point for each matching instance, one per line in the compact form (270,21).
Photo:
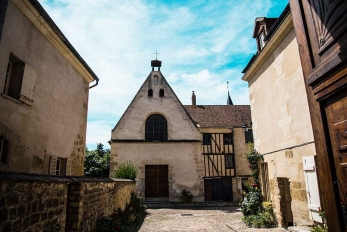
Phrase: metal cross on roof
(228,85)
(156,53)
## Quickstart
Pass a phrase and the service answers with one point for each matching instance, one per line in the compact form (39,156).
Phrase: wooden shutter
(68,167)
(312,188)
(53,165)
(28,85)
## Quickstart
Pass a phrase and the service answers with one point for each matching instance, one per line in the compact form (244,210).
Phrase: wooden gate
(156,181)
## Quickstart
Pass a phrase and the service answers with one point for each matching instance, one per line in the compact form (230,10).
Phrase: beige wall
(55,124)
(179,124)
(281,119)
(184,160)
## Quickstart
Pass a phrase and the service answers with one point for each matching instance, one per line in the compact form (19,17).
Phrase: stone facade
(46,123)
(182,150)
(46,203)
(281,122)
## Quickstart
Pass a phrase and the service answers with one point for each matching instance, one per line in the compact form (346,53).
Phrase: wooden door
(156,181)
(321,31)
(336,111)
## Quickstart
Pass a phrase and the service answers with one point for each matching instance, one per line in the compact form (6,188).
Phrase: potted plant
(186,196)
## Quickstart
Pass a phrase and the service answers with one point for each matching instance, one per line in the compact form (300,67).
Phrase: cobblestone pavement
(197,219)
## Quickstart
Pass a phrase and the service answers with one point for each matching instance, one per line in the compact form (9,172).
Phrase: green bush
(126,170)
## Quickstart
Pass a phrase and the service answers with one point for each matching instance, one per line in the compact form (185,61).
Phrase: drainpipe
(97,82)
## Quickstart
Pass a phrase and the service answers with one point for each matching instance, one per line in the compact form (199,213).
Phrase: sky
(202,44)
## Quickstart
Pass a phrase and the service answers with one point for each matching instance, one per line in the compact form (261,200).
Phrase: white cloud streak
(199,43)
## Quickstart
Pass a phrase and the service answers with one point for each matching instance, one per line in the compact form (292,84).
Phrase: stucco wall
(55,124)
(184,160)
(281,119)
(132,124)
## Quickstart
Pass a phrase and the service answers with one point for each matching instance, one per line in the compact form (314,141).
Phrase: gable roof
(220,116)
(138,92)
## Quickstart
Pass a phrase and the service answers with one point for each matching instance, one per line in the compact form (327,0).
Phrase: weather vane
(156,53)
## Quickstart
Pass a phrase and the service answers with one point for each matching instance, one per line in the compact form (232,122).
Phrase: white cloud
(197,41)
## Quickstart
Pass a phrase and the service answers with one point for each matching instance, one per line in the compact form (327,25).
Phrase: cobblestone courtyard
(197,219)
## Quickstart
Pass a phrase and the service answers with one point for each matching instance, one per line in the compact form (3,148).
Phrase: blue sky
(202,44)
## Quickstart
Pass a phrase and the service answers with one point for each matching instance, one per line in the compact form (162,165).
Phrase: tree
(97,162)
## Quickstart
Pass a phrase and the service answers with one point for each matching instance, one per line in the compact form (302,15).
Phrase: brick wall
(30,202)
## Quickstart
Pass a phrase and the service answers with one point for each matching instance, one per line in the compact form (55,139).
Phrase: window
(14,77)
(206,139)
(229,161)
(161,93)
(150,93)
(228,139)
(261,40)
(60,166)
(249,136)
(155,79)
(4,148)
(156,127)
(20,80)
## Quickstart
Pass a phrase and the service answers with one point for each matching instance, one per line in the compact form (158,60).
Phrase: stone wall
(32,202)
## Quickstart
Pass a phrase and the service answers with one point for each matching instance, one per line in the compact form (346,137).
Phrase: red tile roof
(220,116)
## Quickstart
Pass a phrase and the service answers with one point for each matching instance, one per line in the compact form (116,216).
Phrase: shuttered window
(60,166)
(20,80)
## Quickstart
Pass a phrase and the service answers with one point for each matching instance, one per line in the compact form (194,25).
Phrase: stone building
(176,147)
(282,123)
(44,87)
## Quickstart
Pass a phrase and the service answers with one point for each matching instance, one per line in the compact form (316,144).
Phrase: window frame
(206,138)
(156,128)
(231,139)
(249,136)
(161,93)
(4,150)
(228,164)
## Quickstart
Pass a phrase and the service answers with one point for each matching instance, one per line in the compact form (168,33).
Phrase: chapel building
(199,148)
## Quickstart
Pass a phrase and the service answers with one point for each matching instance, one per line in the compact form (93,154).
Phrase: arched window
(156,127)
(161,93)
(150,93)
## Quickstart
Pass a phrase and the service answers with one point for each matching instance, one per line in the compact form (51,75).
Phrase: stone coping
(34,177)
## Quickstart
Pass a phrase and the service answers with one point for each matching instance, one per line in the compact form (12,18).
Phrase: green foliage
(186,195)
(256,212)
(318,228)
(97,162)
(124,220)
(126,170)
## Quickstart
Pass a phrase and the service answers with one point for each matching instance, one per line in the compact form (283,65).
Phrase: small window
(60,166)
(249,136)
(229,161)
(261,40)
(155,79)
(206,139)
(4,148)
(228,139)
(14,77)
(161,93)
(150,93)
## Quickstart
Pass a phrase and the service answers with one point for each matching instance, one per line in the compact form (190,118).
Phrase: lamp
(244,125)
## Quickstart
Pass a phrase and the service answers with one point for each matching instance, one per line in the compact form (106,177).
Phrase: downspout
(97,82)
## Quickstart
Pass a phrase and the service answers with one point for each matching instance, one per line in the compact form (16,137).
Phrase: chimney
(193,99)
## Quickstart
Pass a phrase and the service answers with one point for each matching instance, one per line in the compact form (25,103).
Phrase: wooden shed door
(156,181)
(336,112)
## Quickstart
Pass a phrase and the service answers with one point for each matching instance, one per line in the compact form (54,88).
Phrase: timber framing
(43,22)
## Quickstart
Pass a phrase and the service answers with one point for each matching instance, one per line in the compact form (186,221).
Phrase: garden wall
(32,202)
